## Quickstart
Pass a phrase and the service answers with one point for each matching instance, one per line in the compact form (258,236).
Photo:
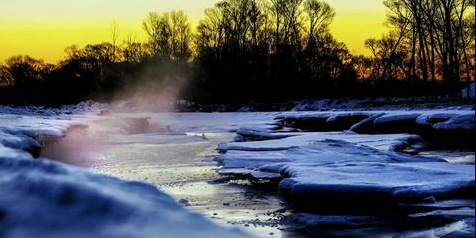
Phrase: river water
(175,154)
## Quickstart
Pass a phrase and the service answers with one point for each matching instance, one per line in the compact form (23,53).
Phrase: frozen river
(342,177)
(175,155)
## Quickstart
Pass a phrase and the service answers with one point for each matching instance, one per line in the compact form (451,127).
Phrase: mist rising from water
(157,88)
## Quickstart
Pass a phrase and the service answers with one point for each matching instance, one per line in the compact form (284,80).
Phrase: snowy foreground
(39,198)
(346,171)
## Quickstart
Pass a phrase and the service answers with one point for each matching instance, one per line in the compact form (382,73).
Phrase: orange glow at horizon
(43,29)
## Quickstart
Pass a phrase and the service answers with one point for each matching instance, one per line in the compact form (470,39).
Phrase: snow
(338,172)
(367,104)
(443,128)
(46,199)
(34,125)
(83,108)
(389,119)
(327,164)
(374,226)
(49,199)
(382,142)
(461,122)
(373,182)
(265,158)
(267,149)
(253,134)
(17,140)
(9,153)
(324,151)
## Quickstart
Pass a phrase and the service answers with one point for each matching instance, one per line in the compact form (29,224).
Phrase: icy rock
(460,122)
(329,121)
(365,126)
(390,124)
(440,127)
(256,134)
(448,130)
(313,122)
(343,122)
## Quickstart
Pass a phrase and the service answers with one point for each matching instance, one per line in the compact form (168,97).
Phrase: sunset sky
(43,29)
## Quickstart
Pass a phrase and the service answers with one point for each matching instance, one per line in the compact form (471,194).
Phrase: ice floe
(348,172)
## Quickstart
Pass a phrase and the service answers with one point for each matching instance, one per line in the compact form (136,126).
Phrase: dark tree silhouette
(260,50)
(169,35)
(272,50)
(430,41)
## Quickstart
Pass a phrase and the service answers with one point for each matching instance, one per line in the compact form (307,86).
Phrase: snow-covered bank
(378,121)
(342,180)
(368,104)
(40,198)
(442,127)
(337,173)
(46,199)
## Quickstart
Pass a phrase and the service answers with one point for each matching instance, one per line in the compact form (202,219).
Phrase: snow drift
(46,199)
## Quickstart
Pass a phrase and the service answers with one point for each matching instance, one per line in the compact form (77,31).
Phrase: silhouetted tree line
(269,50)
(431,41)
(260,50)
(102,71)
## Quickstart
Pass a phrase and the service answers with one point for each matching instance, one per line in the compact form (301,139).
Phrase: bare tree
(434,36)
(114,27)
(181,36)
(158,28)
(170,35)
(133,50)
(320,15)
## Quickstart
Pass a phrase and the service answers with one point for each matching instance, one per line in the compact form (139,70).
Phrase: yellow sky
(44,28)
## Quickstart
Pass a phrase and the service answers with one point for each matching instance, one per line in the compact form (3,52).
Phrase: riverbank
(41,198)
(174,152)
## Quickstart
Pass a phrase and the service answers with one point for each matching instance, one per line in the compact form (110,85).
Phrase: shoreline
(178,135)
